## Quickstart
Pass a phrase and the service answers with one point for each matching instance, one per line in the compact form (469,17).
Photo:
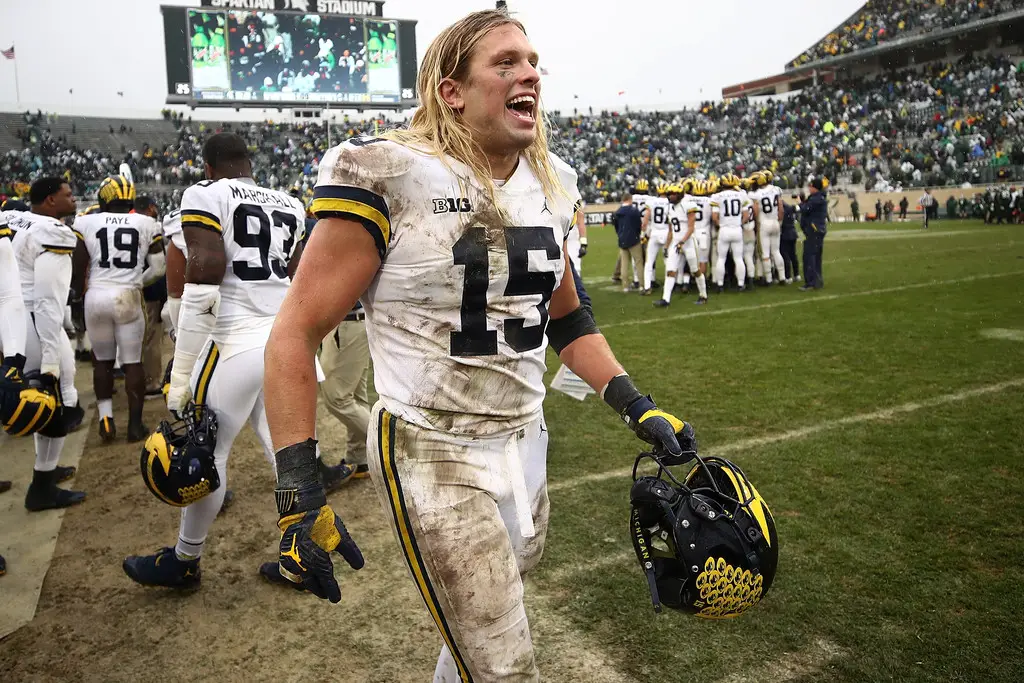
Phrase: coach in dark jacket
(627,221)
(813,219)
(788,241)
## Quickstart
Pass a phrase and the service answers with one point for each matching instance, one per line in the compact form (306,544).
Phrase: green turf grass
(901,538)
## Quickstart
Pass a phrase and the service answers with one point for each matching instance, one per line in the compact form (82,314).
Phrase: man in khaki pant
(345,358)
(628,225)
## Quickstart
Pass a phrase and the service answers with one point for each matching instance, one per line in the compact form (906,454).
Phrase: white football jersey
(767,199)
(260,229)
(659,207)
(730,206)
(457,313)
(38,235)
(701,206)
(13,221)
(678,220)
(117,244)
(640,201)
(173,232)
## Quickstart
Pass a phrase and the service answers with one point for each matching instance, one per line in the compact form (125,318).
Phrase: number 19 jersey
(260,229)
(117,244)
(457,313)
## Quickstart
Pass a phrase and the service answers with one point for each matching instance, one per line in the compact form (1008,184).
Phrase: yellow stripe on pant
(203,384)
(386,427)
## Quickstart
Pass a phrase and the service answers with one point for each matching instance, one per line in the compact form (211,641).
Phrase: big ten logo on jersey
(452,205)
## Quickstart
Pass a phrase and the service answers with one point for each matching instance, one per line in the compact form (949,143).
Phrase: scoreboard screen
(232,57)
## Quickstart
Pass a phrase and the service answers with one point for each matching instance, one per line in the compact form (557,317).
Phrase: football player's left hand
(673,440)
(583,249)
(307,539)
(664,252)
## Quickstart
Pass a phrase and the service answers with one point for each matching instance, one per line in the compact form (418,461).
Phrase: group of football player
(52,261)
(694,222)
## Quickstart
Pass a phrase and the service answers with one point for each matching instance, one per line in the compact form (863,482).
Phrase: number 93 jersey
(117,244)
(260,229)
(457,313)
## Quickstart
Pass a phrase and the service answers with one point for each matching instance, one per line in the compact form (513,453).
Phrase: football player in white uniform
(768,210)
(750,262)
(657,233)
(12,306)
(460,306)
(43,249)
(577,240)
(118,243)
(730,209)
(241,239)
(682,247)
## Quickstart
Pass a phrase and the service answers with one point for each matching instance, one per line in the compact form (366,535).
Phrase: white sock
(197,519)
(767,270)
(105,406)
(702,286)
(670,283)
(48,451)
(684,278)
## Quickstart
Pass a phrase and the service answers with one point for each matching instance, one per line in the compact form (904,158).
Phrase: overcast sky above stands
(661,54)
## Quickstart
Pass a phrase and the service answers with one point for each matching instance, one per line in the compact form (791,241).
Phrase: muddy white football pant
(771,253)
(48,448)
(730,239)
(749,244)
(233,389)
(655,244)
(471,515)
(674,264)
(115,324)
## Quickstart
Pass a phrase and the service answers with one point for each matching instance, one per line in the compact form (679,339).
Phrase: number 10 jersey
(457,313)
(260,229)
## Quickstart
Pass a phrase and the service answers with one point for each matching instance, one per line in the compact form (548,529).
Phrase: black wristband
(298,479)
(621,393)
(15,361)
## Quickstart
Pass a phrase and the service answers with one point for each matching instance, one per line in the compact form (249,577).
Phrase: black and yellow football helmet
(116,188)
(177,460)
(708,543)
(25,407)
(729,181)
(642,187)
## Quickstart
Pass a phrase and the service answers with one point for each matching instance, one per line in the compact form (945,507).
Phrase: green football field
(881,419)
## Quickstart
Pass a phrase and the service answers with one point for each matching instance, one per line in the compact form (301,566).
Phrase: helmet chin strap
(643,553)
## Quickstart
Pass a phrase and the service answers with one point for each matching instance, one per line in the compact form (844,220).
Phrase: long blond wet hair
(439,129)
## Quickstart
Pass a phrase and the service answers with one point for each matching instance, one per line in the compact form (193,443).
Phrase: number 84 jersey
(260,229)
(457,313)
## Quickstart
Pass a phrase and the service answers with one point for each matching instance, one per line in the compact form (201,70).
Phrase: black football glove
(307,539)
(11,384)
(583,247)
(310,529)
(650,423)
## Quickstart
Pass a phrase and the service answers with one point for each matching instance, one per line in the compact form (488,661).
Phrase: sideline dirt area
(94,624)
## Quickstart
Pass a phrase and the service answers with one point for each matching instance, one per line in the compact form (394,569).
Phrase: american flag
(8,53)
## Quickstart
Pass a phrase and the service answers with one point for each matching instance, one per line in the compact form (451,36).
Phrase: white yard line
(1003,334)
(809,299)
(791,665)
(749,446)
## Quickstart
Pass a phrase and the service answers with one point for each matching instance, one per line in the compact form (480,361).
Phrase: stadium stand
(881,21)
(955,119)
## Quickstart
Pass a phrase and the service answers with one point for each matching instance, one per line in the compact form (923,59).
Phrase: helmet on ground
(708,543)
(177,460)
(115,189)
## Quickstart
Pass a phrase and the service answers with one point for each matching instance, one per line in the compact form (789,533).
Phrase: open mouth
(522,107)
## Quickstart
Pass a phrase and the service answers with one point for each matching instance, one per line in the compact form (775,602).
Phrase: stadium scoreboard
(286,53)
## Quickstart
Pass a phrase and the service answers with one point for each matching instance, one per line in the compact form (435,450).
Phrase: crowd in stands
(879,21)
(944,124)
